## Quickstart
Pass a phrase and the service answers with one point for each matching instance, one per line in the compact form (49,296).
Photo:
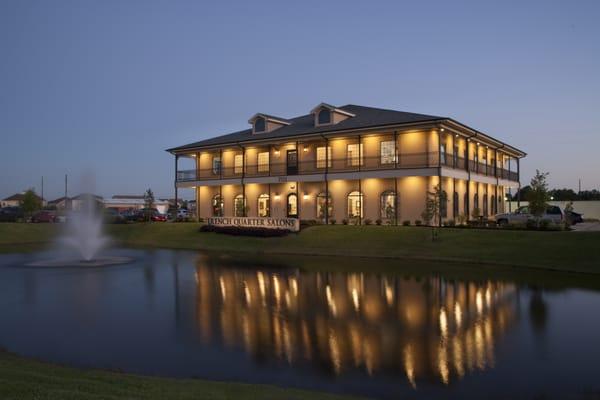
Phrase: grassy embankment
(561,251)
(29,379)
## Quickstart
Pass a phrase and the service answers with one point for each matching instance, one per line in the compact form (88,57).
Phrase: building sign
(291,224)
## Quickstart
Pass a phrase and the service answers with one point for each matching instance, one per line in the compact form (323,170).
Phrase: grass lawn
(22,378)
(562,251)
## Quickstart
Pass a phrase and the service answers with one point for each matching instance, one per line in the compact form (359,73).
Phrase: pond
(345,326)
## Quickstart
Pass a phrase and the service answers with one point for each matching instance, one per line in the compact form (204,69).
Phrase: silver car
(522,215)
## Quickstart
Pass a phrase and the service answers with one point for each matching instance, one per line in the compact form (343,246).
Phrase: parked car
(112,216)
(11,214)
(522,215)
(158,217)
(573,217)
(43,216)
(183,215)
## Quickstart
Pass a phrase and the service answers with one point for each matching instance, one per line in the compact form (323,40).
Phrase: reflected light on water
(356,322)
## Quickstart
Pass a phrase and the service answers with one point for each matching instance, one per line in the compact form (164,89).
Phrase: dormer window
(326,114)
(324,117)
(259,125)
(263,123)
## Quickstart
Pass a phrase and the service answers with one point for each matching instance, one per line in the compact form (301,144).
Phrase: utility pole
(579,192)
(42,190)
(66,192)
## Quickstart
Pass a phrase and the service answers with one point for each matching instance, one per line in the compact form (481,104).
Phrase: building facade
(350,163)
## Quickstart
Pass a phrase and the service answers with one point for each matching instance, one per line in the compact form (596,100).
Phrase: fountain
(84,235)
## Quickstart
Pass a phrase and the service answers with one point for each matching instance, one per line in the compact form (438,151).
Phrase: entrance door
(292,162)
(292,206)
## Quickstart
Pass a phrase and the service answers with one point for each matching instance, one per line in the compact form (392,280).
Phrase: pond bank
(558,251)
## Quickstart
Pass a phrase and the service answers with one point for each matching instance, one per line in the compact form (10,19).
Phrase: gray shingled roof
(304,125)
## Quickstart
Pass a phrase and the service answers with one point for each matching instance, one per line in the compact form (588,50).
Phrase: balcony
(340,165)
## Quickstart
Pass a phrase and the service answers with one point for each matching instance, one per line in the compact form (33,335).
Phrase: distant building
(16,199)
(62,203)
(78,201)
(133,202)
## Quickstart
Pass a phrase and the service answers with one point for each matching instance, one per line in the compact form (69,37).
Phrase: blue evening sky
(106,86)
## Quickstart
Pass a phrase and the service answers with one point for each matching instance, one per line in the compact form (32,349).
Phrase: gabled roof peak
(331,108)
(270,118)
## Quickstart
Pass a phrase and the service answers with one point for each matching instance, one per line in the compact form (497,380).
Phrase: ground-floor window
(292,205)
(355,205)
(444,204)
(323,201)
(387,205)
(494,205)
(485,205)
(455,205)
(239,206)
(263,205)
(217,206)
(476,202)
(466,204)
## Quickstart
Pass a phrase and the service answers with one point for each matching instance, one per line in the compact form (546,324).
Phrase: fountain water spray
(84,229)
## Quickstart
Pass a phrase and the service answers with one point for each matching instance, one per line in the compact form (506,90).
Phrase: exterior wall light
(306,196)
(277,196)
(305,149)
(276,152)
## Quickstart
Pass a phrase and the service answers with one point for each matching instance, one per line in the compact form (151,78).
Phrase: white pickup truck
(522,215)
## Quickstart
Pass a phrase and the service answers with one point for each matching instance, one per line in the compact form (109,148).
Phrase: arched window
(476,201)
(292,205)
(239,206)
(323,201)
(494,205)
(466,204)
(387,205)
(217,206)
(263,205)
(324,116)
(355,205)
(259,124)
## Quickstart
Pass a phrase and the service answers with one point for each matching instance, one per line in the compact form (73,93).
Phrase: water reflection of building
(426,328)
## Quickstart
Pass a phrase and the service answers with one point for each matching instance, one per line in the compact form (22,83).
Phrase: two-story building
(349,162)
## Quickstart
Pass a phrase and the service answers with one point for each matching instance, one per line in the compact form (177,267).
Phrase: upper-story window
(443,153)
(355,154)
(323,159)
(216,165)
(259,124)
(238,164)
(388,152)
(263,161)
(324,117)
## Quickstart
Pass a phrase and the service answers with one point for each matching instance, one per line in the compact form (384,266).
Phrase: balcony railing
(338,165)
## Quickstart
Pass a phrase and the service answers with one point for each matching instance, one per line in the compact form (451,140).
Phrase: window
(476,201)
(455,156)
(292,205)
(444,204)
(259,124)
(263,162)
(263,205)
(323,201)
(494,204)
(443,153)
(239,206)
(388,205)
(324,117)
(216,165)
(355,208)
(485,205)
(238,164)
(466,204)
(354,155)
(455,205)
(387,150)
(217,206)
(323,158)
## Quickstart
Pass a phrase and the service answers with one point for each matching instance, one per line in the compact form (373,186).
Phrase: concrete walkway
(587,227)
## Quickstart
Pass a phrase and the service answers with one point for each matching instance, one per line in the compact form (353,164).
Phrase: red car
(157,217)
(43,216)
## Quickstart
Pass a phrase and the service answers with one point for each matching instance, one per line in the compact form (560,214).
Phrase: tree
(433,206)
(30,203)
(148,203)
(538,197)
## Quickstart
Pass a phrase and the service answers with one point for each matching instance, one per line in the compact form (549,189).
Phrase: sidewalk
(586,227)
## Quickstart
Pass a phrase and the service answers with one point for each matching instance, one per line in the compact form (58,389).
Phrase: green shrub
(378,221)
(544,224)
(368,221)
(531,224)
(345,221)
(244,231)
(450,223)
(418,222)
(406,222)
(332,221)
